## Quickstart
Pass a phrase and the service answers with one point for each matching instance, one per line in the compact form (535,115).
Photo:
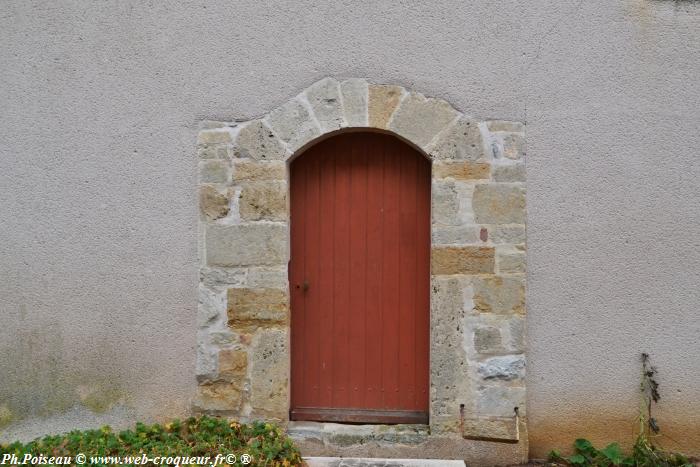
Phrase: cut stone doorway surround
(477,360)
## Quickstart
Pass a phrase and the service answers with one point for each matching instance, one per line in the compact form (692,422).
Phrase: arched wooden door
(360,281)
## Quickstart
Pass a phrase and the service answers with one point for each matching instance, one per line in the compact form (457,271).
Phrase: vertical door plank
(325,281)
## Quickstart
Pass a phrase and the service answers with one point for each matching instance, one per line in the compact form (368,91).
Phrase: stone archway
(477,362)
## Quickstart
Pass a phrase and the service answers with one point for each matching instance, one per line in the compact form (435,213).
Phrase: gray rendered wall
(100,104)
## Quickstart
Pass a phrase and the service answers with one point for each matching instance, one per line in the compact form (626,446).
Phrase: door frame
(477,352)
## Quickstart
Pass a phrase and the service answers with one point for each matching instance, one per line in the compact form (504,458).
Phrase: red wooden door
(360,281)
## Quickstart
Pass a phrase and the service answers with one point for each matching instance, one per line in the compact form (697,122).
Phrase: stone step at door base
(376,462)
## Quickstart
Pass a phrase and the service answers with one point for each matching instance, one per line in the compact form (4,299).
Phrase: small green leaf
(613,452)
(577,459)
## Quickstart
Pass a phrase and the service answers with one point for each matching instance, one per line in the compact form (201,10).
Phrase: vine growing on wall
(645,452)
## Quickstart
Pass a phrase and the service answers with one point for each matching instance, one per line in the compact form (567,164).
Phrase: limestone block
(257,141)
(354,92)
(504,125)
(212,277)
(269,374)
(210,307)
(382,102)
(510,259)
(448,359)
(506,146)
(257,306)
(487,340)
(218,396)
(506,368)
(214,171)
(215,136)
(223,337)
(516,331)
(500,401)
(455,235)
(247,245)
(212,203)
(492,428)
(462,170)
(508,172)
(419,119)
(445,203)
(213,151)
(325,100)
(462,260)
(461,141)
(255,171)
(263,201)
(495,203)
(507,234)
(206,359)
(276,278)
(293,124)
(499,294)
(233,365)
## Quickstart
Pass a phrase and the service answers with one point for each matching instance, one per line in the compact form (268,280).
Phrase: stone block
(506,368)
(212,204)
(269,374)
(491,428)
(508,172)
(257,306)
(247,170)
(263,201)
(501,234)
(233,365)
(215,136)
(210,307)
(419,119)
(510,259)
(446,203)
(325,100)
(276,278)
(461,141)
(206,359)
(214,171)
(516,330)
(382,102)
(247,245)
(257,141)
(213,277)
(495,203)
(455,235)
(218,396)
(462,170)
(499,294)
(213,151)
(462,260)
(487,340)
(354,93)
(514,146)
(293,124)
(500,401)
(504,125)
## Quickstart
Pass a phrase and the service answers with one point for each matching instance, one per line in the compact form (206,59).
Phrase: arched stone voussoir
(256,140)
(326,103)
(420,119)
(462,140)
(294,123)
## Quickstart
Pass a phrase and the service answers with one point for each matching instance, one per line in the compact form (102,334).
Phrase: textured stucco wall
(99,109)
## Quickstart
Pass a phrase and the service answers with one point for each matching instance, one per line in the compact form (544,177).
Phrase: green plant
(644,452)
(265,443)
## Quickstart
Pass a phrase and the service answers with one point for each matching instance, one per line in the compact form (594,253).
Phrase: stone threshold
(376,462)
(345,434)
